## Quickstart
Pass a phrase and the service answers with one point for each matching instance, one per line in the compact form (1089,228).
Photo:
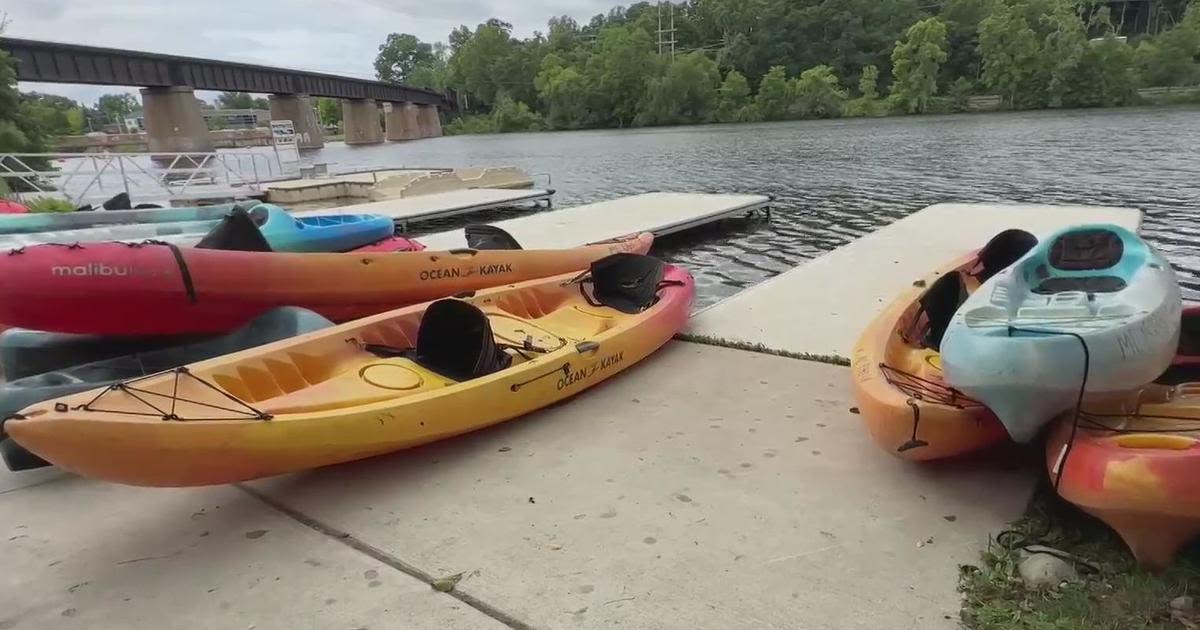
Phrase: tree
(733,99)
(867,104)
(817,94)
(686,93)
(433,73)
(772,98)
(480,64)
(915,65)
(960,94)
(116,107)
(564,93)
(1062,52)
(510,115)
(17,133)
(868,82)
(329,112)
(1009,51)
(399,55)
(1104,76)
(1172,58)
(618,72)
(241,100)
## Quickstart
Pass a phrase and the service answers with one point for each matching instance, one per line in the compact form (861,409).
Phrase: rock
(1183,603)
(446,584)
(1045,571)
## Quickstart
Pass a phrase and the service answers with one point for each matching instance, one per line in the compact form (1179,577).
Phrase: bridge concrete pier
(430,124)
(173,121)
(360,121)
(403,122)
(298,109)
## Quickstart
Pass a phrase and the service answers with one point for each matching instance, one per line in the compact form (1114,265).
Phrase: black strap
(183,271)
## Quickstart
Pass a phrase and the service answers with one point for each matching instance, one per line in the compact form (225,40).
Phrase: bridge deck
(408,210)
(822,306)
(659,213)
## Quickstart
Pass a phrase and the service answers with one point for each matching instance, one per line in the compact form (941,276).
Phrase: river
(839,179)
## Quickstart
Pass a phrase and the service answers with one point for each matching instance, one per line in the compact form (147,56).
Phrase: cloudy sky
(337,36)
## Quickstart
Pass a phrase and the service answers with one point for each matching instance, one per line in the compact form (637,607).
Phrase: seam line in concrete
(35,484)
(380,555)
(758,348)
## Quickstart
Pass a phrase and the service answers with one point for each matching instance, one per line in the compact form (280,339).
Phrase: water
(836,180)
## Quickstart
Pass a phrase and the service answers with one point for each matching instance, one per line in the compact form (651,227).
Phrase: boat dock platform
(392,183)
(660,213)
(821,307)
(408,210)
(707,487)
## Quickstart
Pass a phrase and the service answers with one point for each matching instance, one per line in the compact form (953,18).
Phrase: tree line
(751,60)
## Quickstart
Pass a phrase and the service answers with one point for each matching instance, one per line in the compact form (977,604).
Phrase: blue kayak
(1091,308)
(54,221)
(321,233)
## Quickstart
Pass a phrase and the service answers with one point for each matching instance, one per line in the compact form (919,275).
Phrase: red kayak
(12,207)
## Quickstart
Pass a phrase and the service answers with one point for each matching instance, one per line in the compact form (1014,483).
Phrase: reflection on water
(836,180)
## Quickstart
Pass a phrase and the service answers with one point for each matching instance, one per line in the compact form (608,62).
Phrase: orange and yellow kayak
(908,408)
(373,386)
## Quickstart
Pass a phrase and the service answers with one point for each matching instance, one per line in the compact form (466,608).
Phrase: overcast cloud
(336,36)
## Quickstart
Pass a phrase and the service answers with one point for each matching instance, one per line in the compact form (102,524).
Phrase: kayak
(1092,310)
(162,289)
(896,369)
(1134,462)
(12,207)
(369,387)
(50,221)
(280,323)
(25,352)
(282,231)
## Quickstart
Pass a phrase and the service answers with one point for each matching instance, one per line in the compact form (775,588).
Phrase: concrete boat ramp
(706,488)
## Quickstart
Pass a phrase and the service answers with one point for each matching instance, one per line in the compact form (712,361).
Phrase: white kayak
(1092,303)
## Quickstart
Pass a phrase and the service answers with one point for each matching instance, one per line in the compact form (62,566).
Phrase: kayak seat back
(239,232)
(627,282)
(482,236)
(1089,259)
(455,340)
(939,304)
(1002,251)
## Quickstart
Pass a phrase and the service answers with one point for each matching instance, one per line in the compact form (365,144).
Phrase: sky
(335,36)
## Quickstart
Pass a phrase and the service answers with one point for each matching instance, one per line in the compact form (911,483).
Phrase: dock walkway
(822,306)
(408,210)
(660,213)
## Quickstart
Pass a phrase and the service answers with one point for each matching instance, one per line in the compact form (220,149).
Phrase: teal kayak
(1092,309)
(54,221)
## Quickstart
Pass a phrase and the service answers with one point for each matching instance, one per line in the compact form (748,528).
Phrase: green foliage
(50,204)
(1062,54)
(773,96)
(116,107)
(733,99)
(915,65)
(816,94)
(686,93)
(399,56)
(564,92)
(329,111)
(1009,51)
(76,120)
(510,115)
(618,73)
(482,63)
(241,100)
(469,124)
(1172,58)
(1105,75)
(18,133)
(960,94)
(868,83)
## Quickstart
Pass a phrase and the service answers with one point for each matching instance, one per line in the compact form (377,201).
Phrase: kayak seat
(939,304)
(1002,251)
(627,282)
(455,340)
(482,236)
(1086,250)
(1086,284)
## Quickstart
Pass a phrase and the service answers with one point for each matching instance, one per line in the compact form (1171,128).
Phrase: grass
(1111,594)
(760,348)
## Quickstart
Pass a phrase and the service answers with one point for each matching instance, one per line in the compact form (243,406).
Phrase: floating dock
(408,210)
(822,306)
(393,184)
(660,213)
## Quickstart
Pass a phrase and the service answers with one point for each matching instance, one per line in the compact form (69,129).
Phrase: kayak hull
(151,289)
(332,401)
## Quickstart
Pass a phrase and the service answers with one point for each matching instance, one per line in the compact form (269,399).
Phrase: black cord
(1087,362)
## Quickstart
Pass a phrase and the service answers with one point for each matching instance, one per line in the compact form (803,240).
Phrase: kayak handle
(586,346)
(463,252)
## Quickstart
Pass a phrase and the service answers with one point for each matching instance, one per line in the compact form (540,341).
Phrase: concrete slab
(706,488)
(409,210)
(661,213)
(823,305)
(82,554)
